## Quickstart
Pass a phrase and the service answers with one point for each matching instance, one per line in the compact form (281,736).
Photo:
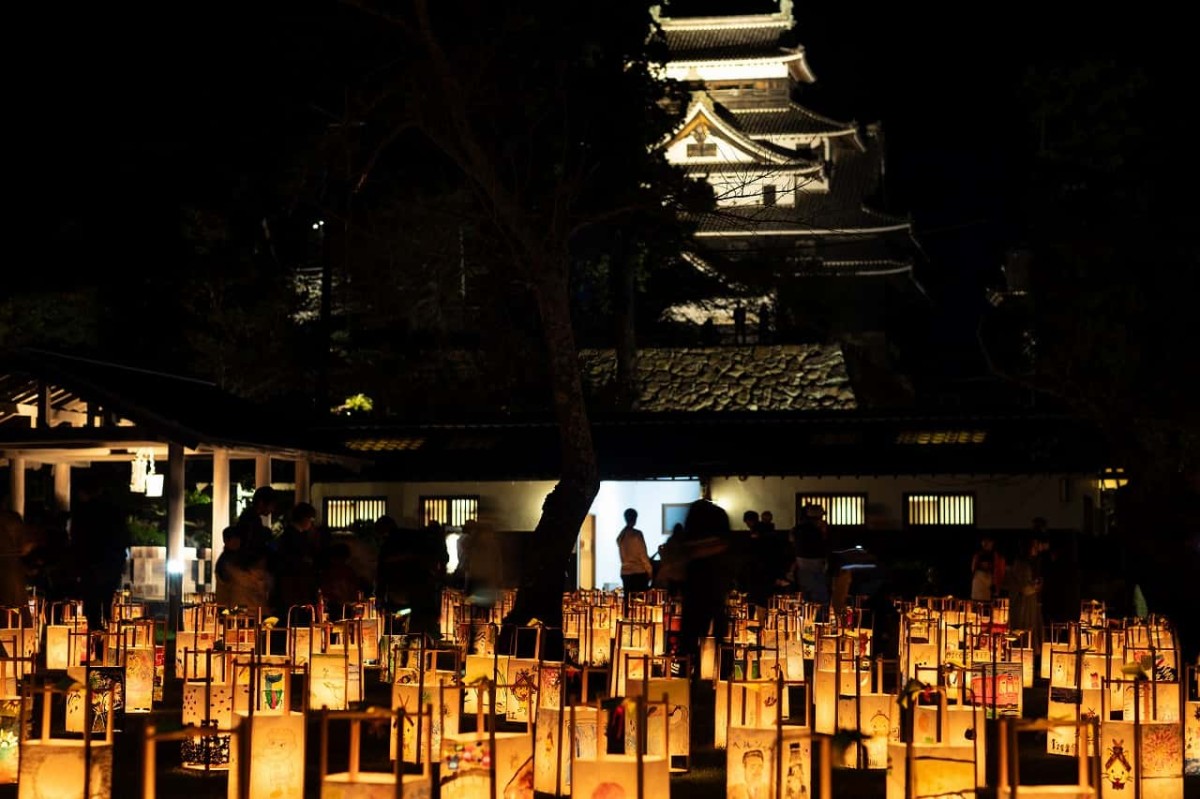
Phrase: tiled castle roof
(721,43)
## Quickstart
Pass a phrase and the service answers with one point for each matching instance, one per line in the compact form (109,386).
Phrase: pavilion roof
(92,403)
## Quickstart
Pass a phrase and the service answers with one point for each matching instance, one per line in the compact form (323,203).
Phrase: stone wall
(797,377)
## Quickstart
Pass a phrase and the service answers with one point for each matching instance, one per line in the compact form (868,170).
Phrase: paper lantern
(445,702)
(189,651)
(962,725)
(521,689)
(937,770)
(139,679)
(370,641)
(669,727)
(467,760)
(354,783)
(374,785)
(209,706)
(998,688)
(10,736)
(1070,703)
(272,694)
(329,681)
(108,698)
(708,658)
(879,722)
(59,652)
(616,777)
(1159,769)
(54,769)
(744,704)
(485,667)
(276,764)
(301,644)
(553,739)
(751,768)
(1191,734)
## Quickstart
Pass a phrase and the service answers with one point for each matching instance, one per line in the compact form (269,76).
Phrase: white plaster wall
(506,505)
(726,70)
(518,506)
(1001,501)
(646,497)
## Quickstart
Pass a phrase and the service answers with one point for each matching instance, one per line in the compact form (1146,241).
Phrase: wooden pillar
(262,470)
(262,474)
(220,502)
(62,486)
(175,505)
(16,485)
(303,481)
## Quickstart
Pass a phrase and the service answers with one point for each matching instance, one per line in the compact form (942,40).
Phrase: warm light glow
(1112,478)
(54,769)
(276,757)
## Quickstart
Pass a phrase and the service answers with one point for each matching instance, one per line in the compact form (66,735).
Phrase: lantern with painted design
(63,768)
(276,747)
(431,710)
(469,761)
(355,783)
(561,736)
(65,617)
(208,706)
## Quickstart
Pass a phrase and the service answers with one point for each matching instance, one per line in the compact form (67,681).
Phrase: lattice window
(450,512)
(342,513)
(844,510)
(940,510)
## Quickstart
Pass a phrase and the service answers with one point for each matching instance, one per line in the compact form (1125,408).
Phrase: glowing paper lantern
(1160,767)
(276,757)
(190,647)
(374,785)
(879,722)
(108,698)
(59,652)
(616,777)
(53,768)
(354,783)
(444,701)
(273,691)
(553,738)
(937,770)
(751,766)
(207,705)
(139,679)
(300,644)
(1191,737)
(962,725)
(467,760)
(744,704)
(370,641)
(329,681)
(10,736)
(668,726)
(484,667)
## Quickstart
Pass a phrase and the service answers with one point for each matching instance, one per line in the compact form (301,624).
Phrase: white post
(16,485)
(302,480)
(62,486)
(262,474)
(175,504)
(262,470)
(220,503)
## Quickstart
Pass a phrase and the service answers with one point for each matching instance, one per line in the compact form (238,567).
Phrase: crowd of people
(305,566)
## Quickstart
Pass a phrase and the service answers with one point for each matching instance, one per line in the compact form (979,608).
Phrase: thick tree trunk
(624,296)
(543,574)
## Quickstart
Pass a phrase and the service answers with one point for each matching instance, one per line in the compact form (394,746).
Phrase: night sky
(126,112)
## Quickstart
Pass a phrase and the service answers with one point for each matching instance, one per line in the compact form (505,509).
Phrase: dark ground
(705,780)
